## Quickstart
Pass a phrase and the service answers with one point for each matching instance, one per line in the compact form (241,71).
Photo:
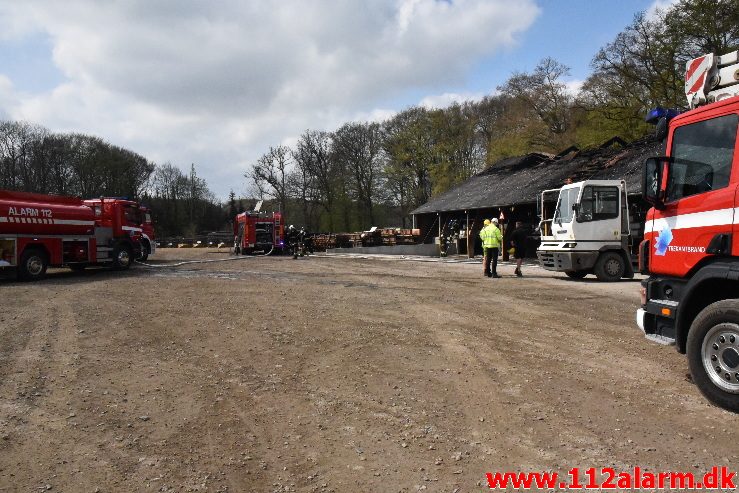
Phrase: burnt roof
(520,180)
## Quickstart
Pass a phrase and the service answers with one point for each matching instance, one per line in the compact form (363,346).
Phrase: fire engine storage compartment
(264,235)
(7,252)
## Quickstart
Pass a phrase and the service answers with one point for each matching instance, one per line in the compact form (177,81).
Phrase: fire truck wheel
(122,257)
(144,255)
(576,274)
(610,267)
(32,267)
(713,353)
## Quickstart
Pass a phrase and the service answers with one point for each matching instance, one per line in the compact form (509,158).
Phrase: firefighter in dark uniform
(518,242)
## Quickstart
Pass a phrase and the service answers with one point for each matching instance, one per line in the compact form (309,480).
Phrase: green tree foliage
(644,66)
(358,148)
(544,94)
(408,144)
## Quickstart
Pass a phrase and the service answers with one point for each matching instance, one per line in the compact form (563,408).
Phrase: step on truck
(691,243)
(39,231)
(589,232)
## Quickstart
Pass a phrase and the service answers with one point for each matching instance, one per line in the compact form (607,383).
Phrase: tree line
(33,159)
(374,173)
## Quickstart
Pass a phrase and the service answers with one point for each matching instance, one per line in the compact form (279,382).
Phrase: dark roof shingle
(519,180)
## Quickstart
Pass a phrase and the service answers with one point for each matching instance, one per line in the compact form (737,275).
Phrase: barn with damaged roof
(510,190)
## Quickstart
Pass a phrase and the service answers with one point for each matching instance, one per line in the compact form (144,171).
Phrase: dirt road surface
(335,374)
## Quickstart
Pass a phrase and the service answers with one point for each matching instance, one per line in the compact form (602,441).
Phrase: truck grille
(546,259)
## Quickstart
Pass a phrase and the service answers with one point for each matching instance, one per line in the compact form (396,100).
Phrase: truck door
(598,215)
(700,194)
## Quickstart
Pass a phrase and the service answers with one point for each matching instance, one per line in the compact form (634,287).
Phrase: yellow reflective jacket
(491,237)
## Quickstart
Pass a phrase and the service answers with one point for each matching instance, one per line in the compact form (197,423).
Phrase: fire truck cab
(131,216)
(691,242)
(38,231)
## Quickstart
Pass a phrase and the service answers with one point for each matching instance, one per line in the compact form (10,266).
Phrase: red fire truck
(258,231)
(38,231)
(145,228)
(691,245)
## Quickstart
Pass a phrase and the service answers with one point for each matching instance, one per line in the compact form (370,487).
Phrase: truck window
(598,203)
(132,214)
(567,197)
(702,154)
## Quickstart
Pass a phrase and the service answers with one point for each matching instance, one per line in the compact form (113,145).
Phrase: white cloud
(217,84)
(7,97)
(574,86)
(651,11)
(377,115)
(439,101)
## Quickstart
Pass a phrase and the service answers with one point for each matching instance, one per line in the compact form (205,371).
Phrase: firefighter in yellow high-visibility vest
(492,239)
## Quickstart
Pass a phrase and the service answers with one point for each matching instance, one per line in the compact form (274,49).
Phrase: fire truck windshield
(701,156)
(132,214)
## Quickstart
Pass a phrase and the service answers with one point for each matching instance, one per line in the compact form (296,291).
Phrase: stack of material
(343,240)
(373,237)
(388,236)
(407,236)
(323,242)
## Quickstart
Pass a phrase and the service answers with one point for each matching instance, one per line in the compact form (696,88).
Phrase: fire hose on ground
(189,262)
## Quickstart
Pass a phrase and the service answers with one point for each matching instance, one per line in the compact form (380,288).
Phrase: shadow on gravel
(55,277)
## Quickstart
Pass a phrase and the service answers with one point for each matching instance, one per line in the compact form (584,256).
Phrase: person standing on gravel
(518,242)
(491,242)
(497,244)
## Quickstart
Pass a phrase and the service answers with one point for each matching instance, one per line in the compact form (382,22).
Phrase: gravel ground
(335,374)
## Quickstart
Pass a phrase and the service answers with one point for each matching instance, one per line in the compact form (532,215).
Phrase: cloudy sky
(216,83)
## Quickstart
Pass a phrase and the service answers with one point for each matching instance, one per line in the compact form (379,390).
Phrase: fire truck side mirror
(652,180)
(660,132)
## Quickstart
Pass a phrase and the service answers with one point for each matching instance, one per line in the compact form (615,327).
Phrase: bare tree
(358,146)
(270,175)
(312,155)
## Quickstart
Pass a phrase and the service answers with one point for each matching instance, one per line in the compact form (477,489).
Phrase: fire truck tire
(122,257)
(713,353)
(33,265)
(144,256)
(610,267)
(576,274)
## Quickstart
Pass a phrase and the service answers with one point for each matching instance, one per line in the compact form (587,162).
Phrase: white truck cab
(588,232)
